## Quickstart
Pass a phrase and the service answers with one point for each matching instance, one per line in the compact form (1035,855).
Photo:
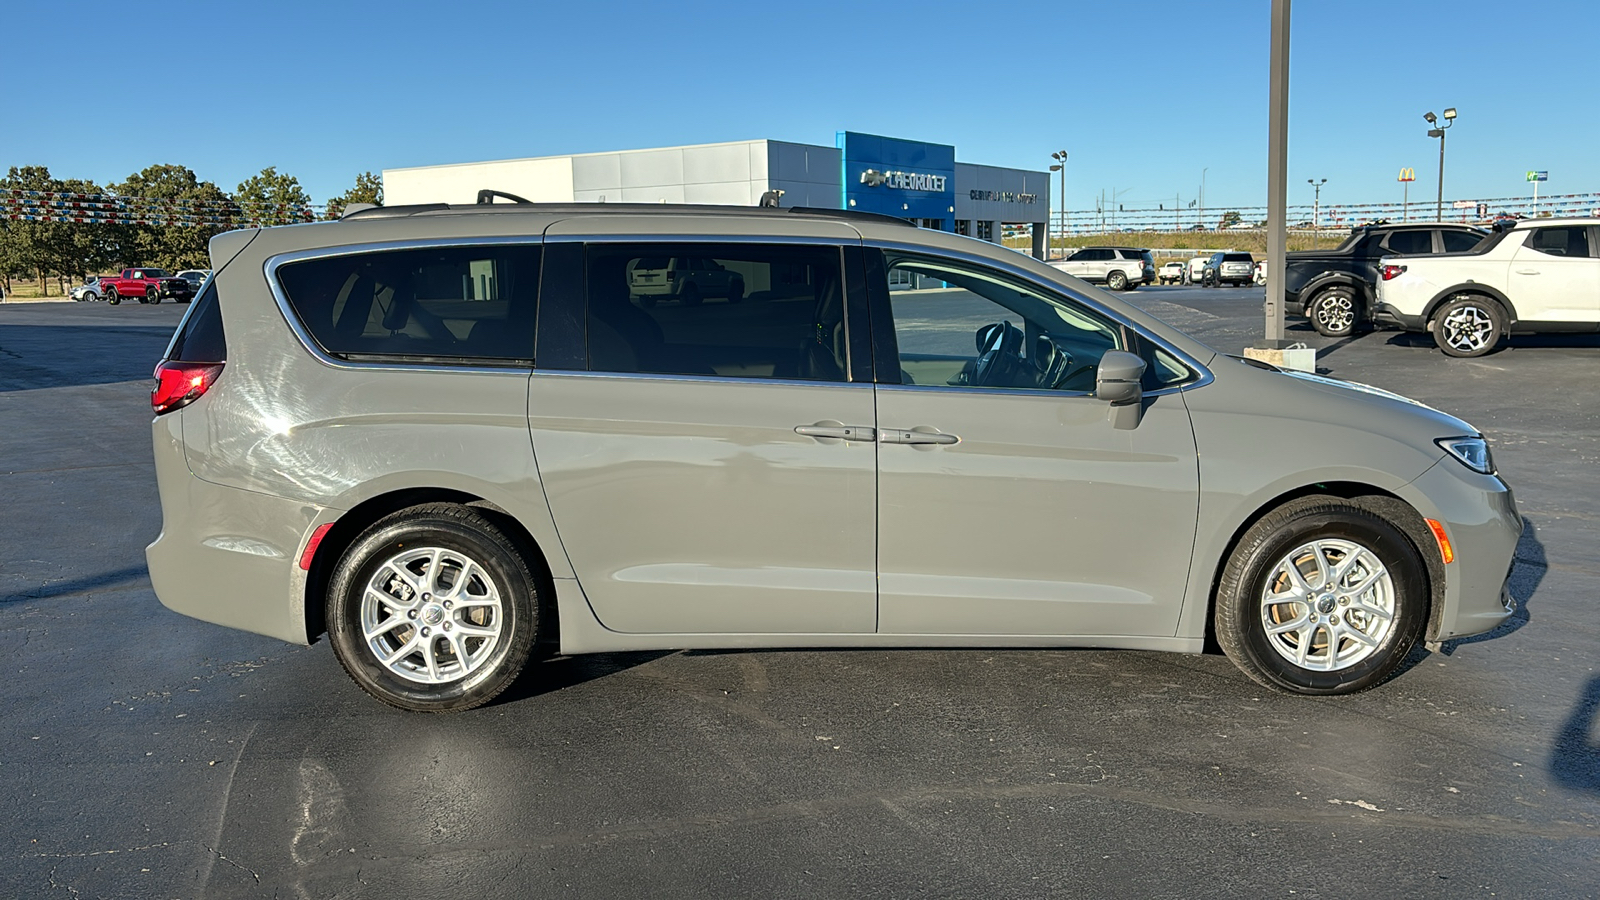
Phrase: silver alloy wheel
(432,616)
(1336,313)
(1468,328)
(1328,605)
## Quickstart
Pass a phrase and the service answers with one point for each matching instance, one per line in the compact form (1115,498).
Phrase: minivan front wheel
(433,609)
(1321,597)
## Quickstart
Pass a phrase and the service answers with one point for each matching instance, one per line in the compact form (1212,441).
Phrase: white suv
(1542,275)
(1118,268)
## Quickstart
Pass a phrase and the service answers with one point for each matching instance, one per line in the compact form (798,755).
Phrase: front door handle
(922,434)
(1527,271)
(837,431)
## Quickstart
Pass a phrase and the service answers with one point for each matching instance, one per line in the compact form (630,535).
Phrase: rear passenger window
(1402,243)
(450,305)
(1460,241)
(735,311)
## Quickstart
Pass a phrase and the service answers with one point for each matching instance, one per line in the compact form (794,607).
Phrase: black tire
(1335,312)
(151,295)
(454,530)
(736,290)
(1469,325)
(1242,607)
(689,295)
(1117,281)
(112,297)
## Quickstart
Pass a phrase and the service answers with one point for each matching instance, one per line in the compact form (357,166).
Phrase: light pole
(1061,166)
(1203,194)
(1316,205)
(1438,131)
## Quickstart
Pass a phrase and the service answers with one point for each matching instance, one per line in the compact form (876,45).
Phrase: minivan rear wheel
(1321,597)
(433,609)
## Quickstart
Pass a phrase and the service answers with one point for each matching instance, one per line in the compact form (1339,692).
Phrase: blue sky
(1143,96)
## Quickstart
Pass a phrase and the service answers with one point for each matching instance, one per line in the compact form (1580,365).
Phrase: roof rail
(487,195)
(852,214)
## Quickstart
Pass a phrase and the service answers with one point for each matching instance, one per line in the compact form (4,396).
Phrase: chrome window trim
(292,318)
(706,379)
(1203,374)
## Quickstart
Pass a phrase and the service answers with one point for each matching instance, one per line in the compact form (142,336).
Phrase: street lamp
(1438,131)
(1316,204)
(1061,166)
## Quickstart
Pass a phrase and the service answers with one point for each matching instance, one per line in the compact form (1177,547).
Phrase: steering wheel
(1000,360)
(1053,361)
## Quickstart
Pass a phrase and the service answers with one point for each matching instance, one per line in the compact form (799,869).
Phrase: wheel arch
(1314,287)
(1369,497)
(360,517)
(1471,287)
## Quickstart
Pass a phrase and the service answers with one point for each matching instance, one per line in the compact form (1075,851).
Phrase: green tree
(368,189)
(1230,218)
(180,244)
(45,249)
(271,198)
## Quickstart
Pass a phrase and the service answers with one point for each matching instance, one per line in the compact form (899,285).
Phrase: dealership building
(913,180)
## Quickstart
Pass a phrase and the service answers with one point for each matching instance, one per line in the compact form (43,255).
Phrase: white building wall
(542,180)
(808,174)
(731,173)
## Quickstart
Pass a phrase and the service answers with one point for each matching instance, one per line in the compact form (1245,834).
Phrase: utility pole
(1202,219)
(1277,168)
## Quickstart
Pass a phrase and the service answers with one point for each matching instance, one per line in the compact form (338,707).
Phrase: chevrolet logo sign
(905,181)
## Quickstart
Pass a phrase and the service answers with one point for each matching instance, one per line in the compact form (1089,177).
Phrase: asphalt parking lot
(151,755)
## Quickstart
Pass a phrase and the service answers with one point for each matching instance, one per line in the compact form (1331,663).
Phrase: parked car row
(146,285)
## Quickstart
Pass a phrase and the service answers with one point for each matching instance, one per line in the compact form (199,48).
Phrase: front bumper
(1480,517)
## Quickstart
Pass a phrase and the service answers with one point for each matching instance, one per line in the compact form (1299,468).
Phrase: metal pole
(1063,211)
(1536,198)
(1438,208)
(1405,200)
(1277,168)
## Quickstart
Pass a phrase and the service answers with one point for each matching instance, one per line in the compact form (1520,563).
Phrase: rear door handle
(1527,271)
(920,435)
(829,429)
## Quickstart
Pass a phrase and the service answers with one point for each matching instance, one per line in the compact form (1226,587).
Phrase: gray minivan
(457,437)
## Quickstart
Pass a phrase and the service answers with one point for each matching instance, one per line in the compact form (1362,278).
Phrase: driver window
(965,326)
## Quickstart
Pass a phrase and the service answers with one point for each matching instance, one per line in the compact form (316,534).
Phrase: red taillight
(180,383)
(1392,272)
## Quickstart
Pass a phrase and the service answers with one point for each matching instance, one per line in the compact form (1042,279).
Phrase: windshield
(154,273)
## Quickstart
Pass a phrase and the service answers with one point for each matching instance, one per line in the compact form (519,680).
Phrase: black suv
(1335,288)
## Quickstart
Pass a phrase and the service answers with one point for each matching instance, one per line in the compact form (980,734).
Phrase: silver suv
(458,437)
(1118,268)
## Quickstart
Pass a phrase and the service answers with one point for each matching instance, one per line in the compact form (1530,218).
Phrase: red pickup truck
(146,286)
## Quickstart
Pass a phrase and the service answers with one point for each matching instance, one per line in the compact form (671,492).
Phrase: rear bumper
(226,555)
(1384,314)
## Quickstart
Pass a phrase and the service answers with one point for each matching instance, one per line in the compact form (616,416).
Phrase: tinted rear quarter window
(1460,241)
(200,337)
(1410,242)
(435,304)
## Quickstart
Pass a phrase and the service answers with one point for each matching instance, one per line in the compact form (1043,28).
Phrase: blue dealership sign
(895,177)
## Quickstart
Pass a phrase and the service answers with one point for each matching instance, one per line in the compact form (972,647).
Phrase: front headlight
(1472,451)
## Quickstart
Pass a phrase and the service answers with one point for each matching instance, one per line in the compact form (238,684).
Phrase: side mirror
(1117,378)
(1117,381)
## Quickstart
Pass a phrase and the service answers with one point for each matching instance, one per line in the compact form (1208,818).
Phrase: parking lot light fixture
(1316,204)
(1438,132)
(1060,157)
